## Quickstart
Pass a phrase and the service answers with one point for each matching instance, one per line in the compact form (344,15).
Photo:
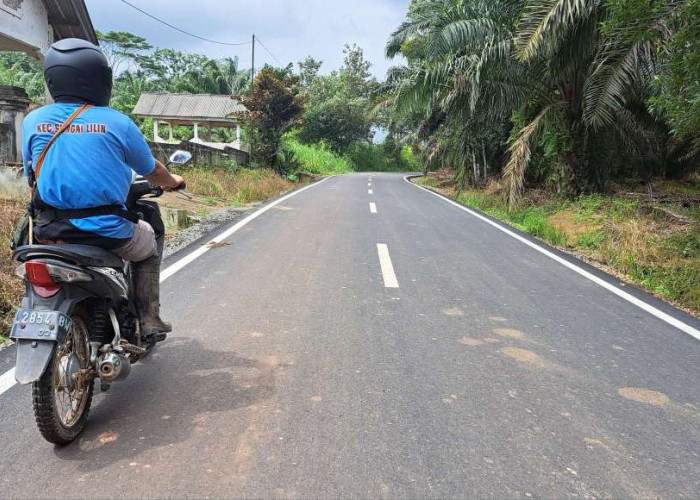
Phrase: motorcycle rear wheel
(62,403)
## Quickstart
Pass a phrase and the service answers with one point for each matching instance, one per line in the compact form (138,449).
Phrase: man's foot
(155,330)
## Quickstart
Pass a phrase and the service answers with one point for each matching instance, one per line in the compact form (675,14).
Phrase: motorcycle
(77,323)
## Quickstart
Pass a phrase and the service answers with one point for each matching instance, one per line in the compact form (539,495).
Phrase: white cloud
(291,29)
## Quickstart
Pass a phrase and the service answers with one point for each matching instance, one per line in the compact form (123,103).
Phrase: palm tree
(232,79)
(481,62)
(216,77)
(460,76)
(593,82)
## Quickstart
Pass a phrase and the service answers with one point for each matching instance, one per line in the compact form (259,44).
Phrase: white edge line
(388,274)
(7,379)
(684,327)
(372,207)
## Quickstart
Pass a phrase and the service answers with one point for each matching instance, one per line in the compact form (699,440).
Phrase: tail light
(46,278)
(37,273)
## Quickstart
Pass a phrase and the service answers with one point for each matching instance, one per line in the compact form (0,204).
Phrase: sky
(290,29)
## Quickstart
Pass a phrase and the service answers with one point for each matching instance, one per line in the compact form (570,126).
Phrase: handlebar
(141,188)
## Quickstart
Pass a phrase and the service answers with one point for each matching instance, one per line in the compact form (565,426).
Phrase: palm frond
(544,20)
(614,74)
(461,35)
(520,152)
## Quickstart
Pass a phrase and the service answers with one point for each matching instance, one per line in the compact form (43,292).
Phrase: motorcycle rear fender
(33,356)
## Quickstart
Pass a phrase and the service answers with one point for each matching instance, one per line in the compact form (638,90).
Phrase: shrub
(318,158)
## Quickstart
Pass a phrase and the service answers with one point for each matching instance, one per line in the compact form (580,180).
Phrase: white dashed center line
(373,207)
(369,191)
(390,280)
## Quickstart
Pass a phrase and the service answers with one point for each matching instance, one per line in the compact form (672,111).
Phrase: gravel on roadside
(208,224)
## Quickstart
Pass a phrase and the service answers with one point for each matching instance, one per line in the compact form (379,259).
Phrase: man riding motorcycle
(82,181)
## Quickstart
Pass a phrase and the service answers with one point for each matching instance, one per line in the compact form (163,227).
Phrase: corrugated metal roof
(205,107)
(70,19)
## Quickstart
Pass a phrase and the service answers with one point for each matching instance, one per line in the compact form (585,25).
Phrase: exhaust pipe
(113,367)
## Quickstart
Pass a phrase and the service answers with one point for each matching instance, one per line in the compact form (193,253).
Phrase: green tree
(335,114)
(121,47)
(308,71)
(21,70)
(127,90)
(339,103)
(675,28)
(274,107)
(355,72)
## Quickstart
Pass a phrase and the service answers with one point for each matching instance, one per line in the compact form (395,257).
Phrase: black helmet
(77,71)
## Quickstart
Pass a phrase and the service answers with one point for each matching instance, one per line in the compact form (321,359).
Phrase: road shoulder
(614,281)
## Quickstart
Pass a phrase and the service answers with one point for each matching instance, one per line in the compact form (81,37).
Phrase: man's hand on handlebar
(163,178)
(180,183)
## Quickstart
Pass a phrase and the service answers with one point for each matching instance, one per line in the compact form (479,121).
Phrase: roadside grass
(234,186)
(630,237)
(10,286)
(318,158)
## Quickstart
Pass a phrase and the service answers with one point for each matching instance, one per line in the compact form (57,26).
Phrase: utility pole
(252,67)
(251,140)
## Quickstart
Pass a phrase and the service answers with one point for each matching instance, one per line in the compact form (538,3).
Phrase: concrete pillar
(238,133)
(13,106)
(196,130)
(170,131)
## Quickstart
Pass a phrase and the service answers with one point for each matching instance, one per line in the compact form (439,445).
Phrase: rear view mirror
(180,157)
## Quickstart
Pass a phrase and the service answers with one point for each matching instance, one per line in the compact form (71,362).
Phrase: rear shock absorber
(96,335)
(99,323)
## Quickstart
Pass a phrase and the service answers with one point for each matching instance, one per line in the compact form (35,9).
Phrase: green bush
(379,158)
(590,239)
(317,158)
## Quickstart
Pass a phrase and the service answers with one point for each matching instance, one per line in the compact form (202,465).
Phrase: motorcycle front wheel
(63,395)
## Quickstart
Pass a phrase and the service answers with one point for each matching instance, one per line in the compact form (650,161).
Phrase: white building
(31,26)
(202,112)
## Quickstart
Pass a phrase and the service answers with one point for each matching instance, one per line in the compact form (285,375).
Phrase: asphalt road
(456,361)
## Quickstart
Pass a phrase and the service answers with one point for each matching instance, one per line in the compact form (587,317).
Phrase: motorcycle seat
(81,255)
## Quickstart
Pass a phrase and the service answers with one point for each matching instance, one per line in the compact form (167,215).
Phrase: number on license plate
(48,325)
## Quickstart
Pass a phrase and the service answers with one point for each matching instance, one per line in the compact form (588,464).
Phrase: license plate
(40,325)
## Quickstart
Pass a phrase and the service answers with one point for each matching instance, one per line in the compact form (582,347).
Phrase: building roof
(189,107)
(70,19)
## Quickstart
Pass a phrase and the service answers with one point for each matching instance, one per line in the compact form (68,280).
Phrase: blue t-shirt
(88,165)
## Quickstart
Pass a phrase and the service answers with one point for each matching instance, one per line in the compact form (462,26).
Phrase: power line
(257,38)
(183,31)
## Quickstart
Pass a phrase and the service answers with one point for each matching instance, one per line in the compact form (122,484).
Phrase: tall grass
(12,187)
(532,220)
(10,285)
(235,186)
(318,158)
